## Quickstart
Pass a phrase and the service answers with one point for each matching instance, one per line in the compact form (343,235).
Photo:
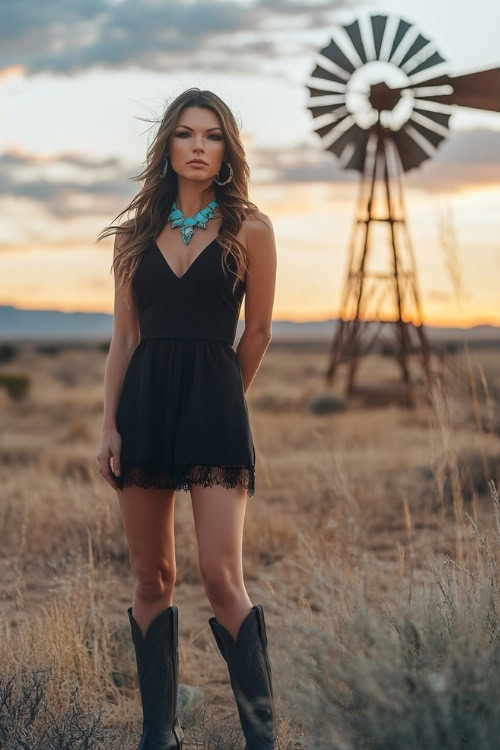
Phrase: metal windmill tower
(383,129)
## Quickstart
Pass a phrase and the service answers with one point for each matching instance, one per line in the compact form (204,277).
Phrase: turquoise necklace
(188,224)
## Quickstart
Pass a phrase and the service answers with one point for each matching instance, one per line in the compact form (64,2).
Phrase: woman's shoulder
(257,222)
(258,232)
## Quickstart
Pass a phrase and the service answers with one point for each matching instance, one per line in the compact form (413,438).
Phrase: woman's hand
(110,447)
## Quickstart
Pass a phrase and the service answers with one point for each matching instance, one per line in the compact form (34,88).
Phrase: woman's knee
(154,581)
(222,583)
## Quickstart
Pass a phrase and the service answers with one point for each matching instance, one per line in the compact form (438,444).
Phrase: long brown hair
(154,201)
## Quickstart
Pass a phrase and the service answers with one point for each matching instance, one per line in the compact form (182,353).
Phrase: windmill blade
(351,134)
(419,43)
(478,90)
(378,28)
(430,62)
(401,32)
(410,152)
(326,109)
(436,82)
(333,52)
(336,119)
(354,33)
(431,135)
(440,118)
(358,156)
(322,92)
(320,72)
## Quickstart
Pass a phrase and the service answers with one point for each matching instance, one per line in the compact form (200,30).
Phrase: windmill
(382,110)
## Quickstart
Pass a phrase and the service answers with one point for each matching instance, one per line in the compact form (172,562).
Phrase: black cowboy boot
(251,680)
(158,670)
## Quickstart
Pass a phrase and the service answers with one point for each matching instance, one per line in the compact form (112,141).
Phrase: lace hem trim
(182,476)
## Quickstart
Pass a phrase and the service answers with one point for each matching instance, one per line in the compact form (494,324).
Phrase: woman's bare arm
(259,297)
(125,338)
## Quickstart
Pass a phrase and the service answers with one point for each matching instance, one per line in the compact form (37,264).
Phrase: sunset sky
(75,79)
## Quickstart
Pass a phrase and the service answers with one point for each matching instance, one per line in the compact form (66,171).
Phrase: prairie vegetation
(373,542)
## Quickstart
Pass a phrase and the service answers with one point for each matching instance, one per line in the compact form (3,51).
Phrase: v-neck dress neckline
(192,262)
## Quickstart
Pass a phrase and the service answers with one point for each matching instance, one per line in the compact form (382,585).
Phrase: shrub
(8,352)
(49,350)
(29,722)
(326,404)
(16,385)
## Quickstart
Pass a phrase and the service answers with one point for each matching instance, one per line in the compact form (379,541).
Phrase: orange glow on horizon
(286,316)
(70,271)
(464,321)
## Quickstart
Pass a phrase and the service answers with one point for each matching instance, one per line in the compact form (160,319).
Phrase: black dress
(182,412)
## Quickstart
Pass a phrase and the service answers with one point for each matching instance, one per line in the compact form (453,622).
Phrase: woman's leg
(219,516)
(238,626)
(148,521)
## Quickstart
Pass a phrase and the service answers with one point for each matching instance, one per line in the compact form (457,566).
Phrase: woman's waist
(192,326)
(189,339)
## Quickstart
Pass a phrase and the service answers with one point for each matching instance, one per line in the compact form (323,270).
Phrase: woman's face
(197,135)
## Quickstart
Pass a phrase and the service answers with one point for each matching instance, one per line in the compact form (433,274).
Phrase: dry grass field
(373,541)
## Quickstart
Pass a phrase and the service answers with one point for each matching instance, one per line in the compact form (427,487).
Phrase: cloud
(93,186)
(471,147)
(68,38)
(103,186)
(467,158)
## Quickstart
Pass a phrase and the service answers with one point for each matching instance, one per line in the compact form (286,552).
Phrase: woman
(175,412)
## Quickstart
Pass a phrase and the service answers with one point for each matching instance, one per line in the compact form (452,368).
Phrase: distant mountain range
(53,325)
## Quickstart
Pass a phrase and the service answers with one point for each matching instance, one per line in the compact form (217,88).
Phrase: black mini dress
(182,413)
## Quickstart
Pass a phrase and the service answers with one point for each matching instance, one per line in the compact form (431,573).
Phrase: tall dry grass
(418,670)
(363,542)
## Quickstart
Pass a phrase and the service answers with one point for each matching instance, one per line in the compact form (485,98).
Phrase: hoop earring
(228,179)
(164,170)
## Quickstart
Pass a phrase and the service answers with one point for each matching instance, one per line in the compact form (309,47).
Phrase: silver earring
(228,179)
(164,170)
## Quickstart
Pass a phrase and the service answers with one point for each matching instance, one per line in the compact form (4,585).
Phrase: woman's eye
(217,137)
